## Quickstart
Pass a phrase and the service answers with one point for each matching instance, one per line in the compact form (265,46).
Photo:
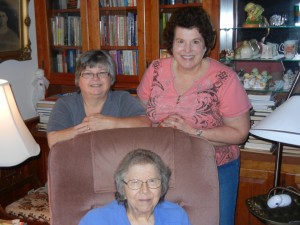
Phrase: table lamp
(17,143)
(283,127)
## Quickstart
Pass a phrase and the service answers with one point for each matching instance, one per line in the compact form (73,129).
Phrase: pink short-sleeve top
(216,95)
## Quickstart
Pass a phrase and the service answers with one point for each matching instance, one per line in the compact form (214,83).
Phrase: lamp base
(289,215)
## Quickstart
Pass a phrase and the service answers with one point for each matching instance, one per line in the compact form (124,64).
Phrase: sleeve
(130,106)
(60,117)
(91,218)
(185,218)
(234,99)
(144,88)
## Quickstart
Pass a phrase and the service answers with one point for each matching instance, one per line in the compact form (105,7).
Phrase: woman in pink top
(200,96)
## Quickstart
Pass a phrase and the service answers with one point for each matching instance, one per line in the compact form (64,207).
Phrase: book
(257,117)
(260,146)
(45,103)
(252,139)
(263,102)
(260,96)
(42,126)
(257,113)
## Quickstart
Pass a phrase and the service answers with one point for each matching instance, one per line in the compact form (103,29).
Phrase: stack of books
(262,106)
(254,144)
(263,101)
(259,144)
(44,108)
(259,114)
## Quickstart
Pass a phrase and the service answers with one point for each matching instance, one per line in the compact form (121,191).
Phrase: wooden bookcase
(147,16)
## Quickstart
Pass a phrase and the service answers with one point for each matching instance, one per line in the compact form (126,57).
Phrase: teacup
(289,48)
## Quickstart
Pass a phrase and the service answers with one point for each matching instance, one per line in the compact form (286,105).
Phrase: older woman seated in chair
(142,181)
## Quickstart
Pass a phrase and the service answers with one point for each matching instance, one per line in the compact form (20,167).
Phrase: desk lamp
(16,142)
(282,126)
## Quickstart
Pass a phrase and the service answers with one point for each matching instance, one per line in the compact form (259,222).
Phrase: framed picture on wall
(14,30)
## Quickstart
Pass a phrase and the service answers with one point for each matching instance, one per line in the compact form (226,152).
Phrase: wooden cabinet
(257,178)
(92,15)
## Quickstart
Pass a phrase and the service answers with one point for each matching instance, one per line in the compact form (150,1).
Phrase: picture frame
(14,30)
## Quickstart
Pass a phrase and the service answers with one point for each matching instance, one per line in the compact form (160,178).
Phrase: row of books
(64,61)
(117,3)
(66,30)
(66,4)
(118,30)
(126,61)
(173,2)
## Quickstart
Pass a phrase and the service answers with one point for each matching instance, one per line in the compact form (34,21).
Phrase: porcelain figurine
(246,50)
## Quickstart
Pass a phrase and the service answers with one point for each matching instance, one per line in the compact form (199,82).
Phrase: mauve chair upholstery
(81,172)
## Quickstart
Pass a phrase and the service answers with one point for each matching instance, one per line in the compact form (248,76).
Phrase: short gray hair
(140,157)
(93,58)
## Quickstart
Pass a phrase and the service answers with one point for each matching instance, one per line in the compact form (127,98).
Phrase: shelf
(175,6)
(259,28)
(123,8)
(57,11)
(278,58)
(266,90)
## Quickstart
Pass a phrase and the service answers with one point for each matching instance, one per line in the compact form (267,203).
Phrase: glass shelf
(278,58)
(259,28)
(266,90)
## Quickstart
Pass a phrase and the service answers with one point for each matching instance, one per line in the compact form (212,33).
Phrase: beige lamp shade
(16,142)
(282,125)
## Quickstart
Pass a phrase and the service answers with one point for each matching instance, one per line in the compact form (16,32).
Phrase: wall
(20,74)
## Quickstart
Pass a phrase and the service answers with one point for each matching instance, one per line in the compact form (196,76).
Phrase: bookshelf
(142,46)
(61,37)
(120,29)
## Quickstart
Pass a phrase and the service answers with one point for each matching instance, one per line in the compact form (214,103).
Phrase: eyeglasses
(137,184)
(90,75)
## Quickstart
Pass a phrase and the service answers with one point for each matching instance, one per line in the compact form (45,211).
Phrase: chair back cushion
(81,171)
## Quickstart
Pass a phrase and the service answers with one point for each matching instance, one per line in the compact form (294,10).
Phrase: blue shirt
(165,213)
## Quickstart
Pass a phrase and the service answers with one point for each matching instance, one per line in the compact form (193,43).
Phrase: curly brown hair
(190,17)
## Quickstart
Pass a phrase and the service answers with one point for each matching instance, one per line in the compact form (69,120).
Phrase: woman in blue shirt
(142,181)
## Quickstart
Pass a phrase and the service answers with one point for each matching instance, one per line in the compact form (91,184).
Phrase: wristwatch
(198,132)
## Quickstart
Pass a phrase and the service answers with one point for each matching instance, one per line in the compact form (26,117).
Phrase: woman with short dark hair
(95,106)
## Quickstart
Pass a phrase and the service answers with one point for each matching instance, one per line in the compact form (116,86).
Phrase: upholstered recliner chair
(81,172)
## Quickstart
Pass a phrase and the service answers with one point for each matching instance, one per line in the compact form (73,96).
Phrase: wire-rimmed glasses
(137,184)
(90,75)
